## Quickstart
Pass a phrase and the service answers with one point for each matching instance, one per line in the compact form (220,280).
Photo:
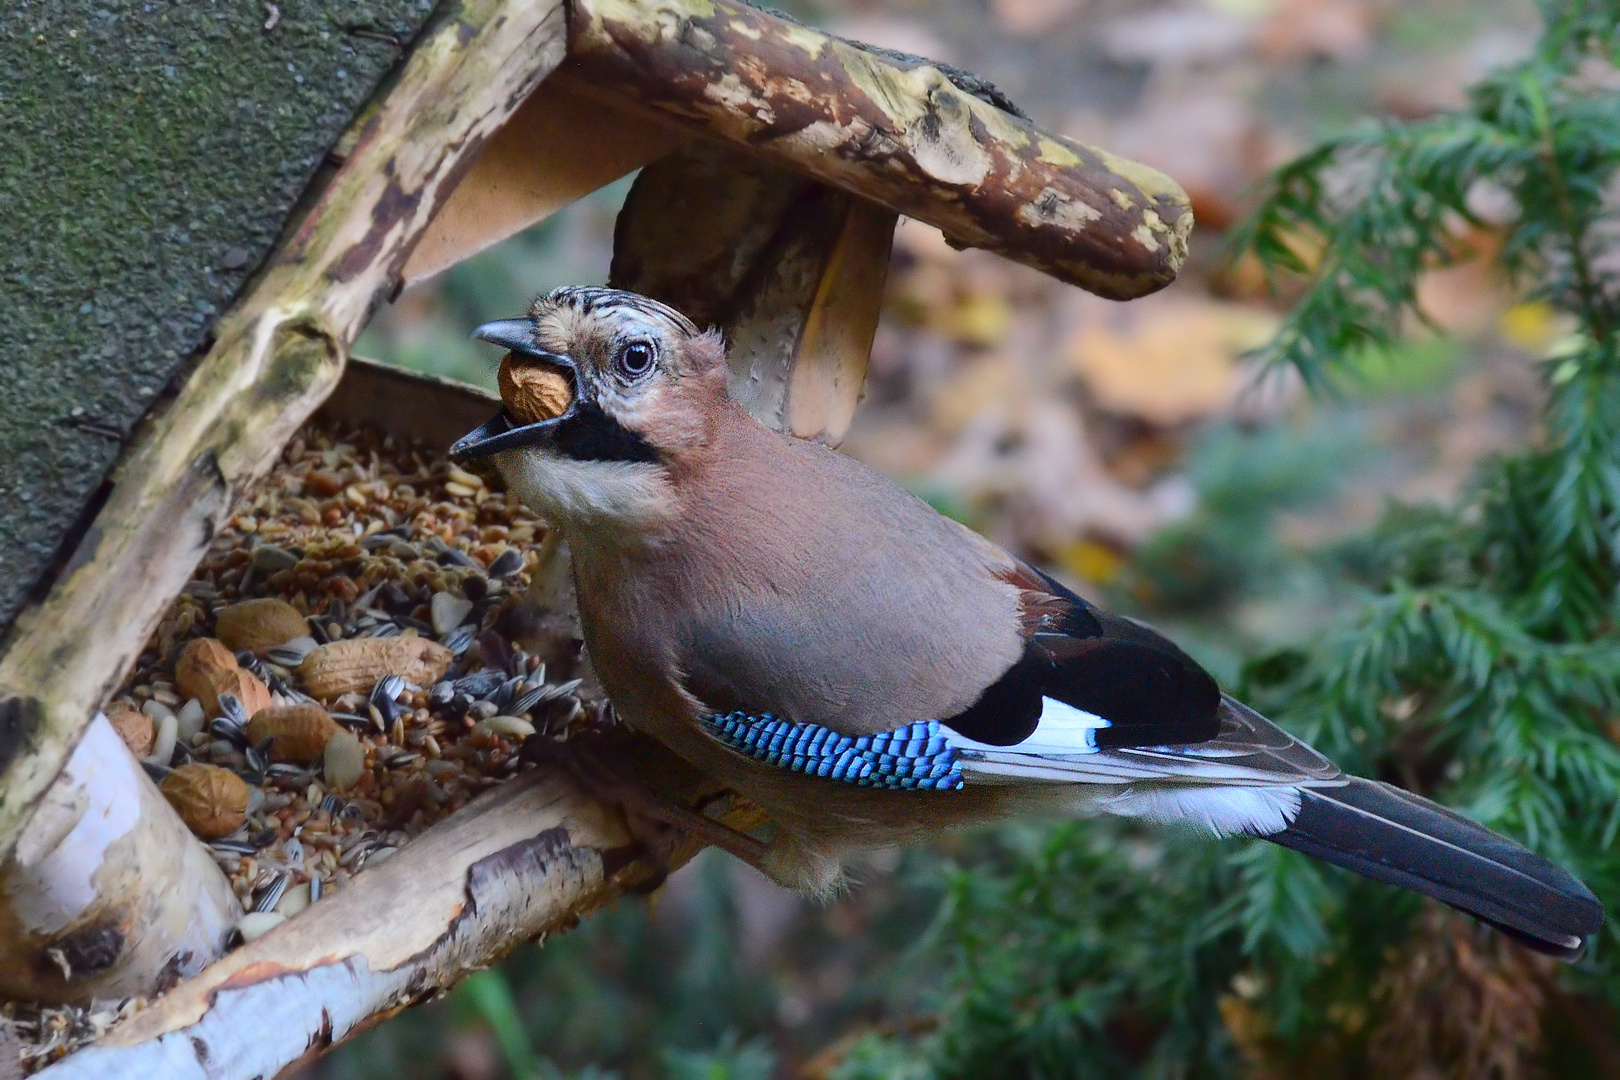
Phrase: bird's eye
(636,359)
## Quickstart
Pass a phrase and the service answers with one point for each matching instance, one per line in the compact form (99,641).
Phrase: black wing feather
(1151,692)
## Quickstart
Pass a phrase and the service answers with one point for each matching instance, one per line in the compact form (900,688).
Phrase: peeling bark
(524,860)
(902,136)
(106,886)
(791,271)
(276,355)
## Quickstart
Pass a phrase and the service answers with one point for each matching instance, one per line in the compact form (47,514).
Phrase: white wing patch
(1246,780)
(1061,730)
(1224,811)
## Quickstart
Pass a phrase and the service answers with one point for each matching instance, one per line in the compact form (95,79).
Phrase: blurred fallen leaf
(1317,30)
(981,320)
(988,383)
(1029,17)
(1177,37)
(1534,326)
(1173,363)
(1091,561)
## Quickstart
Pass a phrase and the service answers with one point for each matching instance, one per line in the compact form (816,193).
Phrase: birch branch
(107,895)
(526,859)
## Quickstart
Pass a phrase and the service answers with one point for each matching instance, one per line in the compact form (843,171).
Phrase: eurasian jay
(870,672)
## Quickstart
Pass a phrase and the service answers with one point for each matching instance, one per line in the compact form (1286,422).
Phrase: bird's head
(646,386)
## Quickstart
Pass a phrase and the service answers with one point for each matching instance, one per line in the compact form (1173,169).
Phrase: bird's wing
(1088,680)
(1249,752)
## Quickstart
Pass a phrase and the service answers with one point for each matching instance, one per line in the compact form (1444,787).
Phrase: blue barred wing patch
(914,757)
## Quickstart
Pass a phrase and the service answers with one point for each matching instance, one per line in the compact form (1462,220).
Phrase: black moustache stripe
(592,435)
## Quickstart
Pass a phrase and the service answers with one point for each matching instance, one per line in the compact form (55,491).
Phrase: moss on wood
(149,152)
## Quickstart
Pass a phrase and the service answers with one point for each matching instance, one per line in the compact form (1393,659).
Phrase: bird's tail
(1394,836)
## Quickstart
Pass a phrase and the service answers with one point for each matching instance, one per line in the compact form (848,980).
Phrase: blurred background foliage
(1414,567)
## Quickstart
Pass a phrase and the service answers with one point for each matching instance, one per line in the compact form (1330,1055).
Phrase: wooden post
(558,147)
(107,888)
(791,270)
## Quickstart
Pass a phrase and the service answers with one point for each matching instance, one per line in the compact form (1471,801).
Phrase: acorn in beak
(539,394)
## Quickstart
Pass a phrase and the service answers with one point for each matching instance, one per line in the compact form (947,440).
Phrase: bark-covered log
(527,859)
(901,136)
(558,147)
(107,895)
(791,270)
(276,356)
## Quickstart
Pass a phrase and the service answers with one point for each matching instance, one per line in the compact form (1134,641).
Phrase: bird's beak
(500,432)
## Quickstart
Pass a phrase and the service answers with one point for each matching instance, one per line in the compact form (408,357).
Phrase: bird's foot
(657,823)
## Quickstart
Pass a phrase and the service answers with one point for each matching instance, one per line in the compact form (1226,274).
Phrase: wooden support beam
(526,859)
(558,147)
(898,134)
(791,270)
(276,355)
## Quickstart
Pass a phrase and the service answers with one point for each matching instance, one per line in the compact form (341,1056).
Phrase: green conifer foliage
(1480,666)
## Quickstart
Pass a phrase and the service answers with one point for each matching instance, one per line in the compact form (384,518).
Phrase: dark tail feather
(1394,836)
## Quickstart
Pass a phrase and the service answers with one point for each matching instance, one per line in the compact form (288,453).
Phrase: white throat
(606,497)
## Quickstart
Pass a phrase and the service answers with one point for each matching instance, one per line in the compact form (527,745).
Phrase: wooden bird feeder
(775,160)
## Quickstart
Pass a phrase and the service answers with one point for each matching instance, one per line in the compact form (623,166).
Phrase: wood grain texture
(276,355)
(558,147)
(789,269)
(107,887)
(902,136)
(529,858)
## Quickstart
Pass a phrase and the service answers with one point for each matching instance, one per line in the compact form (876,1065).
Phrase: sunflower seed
(155,771)
(460,639)
(510,562)
(456,557)
(356,853)
(291,653)
(268,897)
(314,889)
(231,706)
(332,805)
(246,659)
(479,683)
(229,730)
(388,689)
(441,693)
(528,700)
(233,847)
